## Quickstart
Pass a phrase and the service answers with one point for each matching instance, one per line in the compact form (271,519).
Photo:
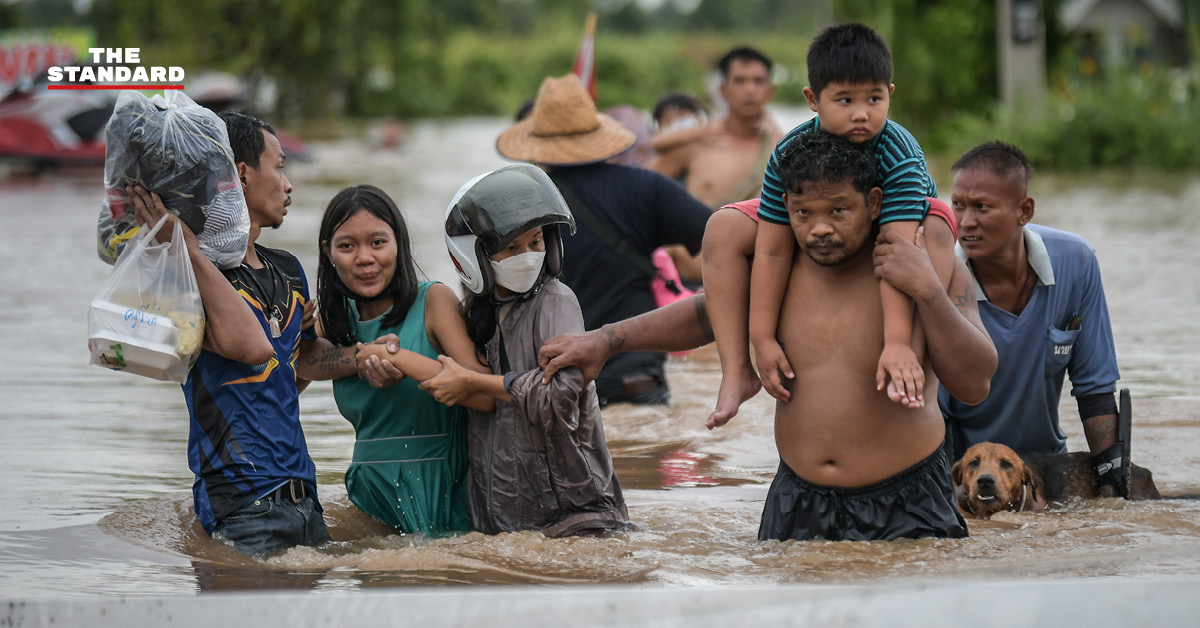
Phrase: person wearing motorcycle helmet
(539,461)
(624,215)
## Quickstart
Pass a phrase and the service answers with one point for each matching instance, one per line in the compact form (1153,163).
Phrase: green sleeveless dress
(410,452)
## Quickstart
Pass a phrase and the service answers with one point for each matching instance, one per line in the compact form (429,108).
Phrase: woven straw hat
(564,129)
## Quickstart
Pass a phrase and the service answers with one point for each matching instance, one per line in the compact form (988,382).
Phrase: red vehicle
(51,128)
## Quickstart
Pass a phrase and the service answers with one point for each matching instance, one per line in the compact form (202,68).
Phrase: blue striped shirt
(902,175)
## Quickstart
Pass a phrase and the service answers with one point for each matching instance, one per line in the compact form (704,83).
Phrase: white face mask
(519,272)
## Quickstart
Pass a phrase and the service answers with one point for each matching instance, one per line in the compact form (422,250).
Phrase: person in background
(632,119)
(723,162)
(674,113)
(622,214)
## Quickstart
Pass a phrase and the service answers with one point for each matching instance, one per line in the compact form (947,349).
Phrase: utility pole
(1021,46)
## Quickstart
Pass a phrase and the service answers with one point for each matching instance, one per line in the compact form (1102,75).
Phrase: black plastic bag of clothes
(180,150)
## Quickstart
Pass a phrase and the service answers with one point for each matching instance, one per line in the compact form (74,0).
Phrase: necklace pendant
(273,323)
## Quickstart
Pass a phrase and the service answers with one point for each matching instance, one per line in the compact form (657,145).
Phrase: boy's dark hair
(742,53)
(677,100)
(820,157)
(848,53)
(245,137)
(1000,158)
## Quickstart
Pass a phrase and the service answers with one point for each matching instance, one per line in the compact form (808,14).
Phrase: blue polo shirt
(1036,349)
(901,174)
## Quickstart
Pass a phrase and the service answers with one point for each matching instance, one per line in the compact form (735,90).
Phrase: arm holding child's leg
(939,229)
(898,362)
(940,238)
(774,247)
(960,350)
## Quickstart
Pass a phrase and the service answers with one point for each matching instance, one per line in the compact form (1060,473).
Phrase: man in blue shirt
(255,483)
(1042,302)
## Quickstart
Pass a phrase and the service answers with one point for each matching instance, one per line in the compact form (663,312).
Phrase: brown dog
(992,477)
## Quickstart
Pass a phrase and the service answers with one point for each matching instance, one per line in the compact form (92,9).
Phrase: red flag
(585,60)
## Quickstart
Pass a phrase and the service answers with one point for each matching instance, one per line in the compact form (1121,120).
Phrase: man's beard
(836,245)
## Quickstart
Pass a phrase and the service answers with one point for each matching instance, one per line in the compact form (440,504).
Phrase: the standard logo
(106,74)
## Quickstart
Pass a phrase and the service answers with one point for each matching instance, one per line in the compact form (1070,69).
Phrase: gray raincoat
(541,462)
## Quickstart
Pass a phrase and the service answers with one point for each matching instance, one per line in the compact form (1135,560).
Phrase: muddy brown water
(96,492)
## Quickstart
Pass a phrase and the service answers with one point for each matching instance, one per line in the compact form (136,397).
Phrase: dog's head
(990,478)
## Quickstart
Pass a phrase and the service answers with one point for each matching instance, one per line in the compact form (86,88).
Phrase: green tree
(943,52)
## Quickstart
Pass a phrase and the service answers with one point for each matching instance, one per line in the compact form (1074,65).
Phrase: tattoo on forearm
(331,359)
(614,338)
(702,317)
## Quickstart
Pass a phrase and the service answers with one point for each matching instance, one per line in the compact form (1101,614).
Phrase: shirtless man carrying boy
(853,464)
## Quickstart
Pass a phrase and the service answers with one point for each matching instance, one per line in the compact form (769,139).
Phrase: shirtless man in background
(720,161)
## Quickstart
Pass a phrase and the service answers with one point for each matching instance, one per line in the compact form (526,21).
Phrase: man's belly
(714,175)
(837,430)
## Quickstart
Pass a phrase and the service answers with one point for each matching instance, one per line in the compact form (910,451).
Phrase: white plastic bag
(148,318)
(180,150)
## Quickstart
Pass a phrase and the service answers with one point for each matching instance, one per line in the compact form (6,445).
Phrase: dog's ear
(1027,478)
(956,472)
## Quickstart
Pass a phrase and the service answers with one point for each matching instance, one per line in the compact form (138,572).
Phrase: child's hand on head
(901,372)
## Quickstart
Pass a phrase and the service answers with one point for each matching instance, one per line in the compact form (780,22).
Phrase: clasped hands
(373,365)
(449,386)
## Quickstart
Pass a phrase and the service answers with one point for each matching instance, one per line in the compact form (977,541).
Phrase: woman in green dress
(410,451)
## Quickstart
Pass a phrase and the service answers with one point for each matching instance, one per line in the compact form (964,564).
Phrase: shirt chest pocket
(1059,345)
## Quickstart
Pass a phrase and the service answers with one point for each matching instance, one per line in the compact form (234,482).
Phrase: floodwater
(97,494)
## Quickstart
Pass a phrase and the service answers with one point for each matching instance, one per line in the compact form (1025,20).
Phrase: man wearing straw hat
(622,214)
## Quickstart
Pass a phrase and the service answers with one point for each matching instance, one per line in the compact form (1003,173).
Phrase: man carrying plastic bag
(255,483)
(171,146)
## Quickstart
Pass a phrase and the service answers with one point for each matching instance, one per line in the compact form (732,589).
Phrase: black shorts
(914,503)
(642,388)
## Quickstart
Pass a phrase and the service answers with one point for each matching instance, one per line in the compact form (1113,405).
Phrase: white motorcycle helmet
(492,210)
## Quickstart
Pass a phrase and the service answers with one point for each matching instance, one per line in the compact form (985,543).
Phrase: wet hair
(820,157)
(848,53)
(742,53)
(479,313)
(677,100)
(332,293)
(1000,158)
(245,137)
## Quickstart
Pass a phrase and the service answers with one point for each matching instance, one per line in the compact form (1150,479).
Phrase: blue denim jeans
(273,523)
